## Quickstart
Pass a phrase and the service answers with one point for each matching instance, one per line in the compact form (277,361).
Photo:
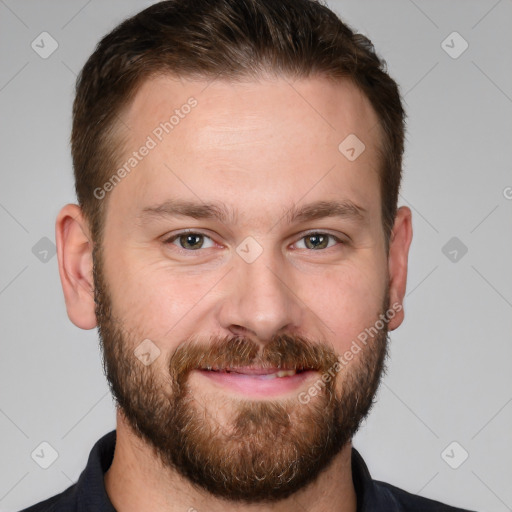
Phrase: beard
(257,450)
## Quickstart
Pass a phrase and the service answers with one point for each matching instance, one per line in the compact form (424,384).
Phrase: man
(238,244)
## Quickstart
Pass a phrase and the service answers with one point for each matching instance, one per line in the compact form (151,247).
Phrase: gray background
(449,376)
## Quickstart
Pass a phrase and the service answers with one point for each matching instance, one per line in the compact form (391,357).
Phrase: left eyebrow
(322,209)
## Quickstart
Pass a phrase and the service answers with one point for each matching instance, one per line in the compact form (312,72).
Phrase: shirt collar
(363,483)
(91,491)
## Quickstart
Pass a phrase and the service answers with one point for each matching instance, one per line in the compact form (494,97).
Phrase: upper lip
(252,370)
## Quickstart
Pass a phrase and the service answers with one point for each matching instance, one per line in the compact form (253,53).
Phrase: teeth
(280,373)
(285,373)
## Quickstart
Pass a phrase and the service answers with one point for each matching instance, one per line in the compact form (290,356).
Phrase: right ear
(74,253)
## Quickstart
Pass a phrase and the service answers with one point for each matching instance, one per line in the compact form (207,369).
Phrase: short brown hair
(225,39)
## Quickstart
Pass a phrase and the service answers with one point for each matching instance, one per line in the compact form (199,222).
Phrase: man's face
(275,282)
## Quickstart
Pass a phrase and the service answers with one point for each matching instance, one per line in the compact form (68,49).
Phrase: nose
(260,300)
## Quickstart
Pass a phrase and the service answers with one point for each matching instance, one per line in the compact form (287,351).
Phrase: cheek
(155,301)
(348,301)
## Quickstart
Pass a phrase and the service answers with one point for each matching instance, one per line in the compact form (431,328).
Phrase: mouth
(257,382)
(254,371)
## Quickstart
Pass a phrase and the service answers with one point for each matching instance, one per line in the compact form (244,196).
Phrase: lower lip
(258,386)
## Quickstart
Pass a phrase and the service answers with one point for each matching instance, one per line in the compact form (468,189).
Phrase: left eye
(191,241)
(316,241)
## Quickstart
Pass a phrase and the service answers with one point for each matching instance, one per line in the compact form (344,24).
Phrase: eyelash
(176,236)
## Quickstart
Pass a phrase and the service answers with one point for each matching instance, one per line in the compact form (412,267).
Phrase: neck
(136,480)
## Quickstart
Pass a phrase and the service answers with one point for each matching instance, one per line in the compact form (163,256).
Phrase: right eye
(190,241)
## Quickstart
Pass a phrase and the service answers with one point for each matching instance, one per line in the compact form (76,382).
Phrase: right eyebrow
(182,208)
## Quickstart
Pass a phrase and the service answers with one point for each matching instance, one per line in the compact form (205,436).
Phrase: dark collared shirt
(88,494)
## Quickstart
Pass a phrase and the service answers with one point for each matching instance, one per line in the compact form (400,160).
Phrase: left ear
(400,242)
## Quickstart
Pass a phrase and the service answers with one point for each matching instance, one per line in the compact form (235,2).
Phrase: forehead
(277,139)
(331,107)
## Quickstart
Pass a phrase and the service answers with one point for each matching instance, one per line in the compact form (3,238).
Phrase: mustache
(284,351)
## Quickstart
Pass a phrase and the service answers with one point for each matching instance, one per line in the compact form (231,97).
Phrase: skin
(260,148)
